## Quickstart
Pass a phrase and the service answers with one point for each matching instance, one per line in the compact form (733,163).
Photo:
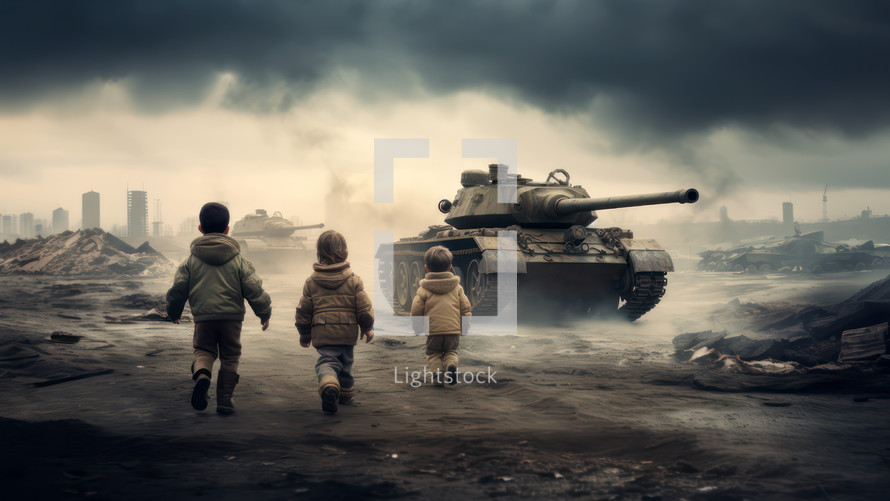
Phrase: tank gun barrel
(308,227)
(564,205)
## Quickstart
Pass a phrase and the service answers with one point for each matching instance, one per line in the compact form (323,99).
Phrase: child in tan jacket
(441,298)
(333,309)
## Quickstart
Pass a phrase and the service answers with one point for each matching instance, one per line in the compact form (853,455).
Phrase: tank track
(647,292)
(488,304)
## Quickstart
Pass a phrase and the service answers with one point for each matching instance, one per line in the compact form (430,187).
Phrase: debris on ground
(153,315)
(81,252)
(781,339)
(52,382)
(64,337)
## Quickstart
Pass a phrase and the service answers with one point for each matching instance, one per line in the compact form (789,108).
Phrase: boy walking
(441,298)
(333,309)
(216,279)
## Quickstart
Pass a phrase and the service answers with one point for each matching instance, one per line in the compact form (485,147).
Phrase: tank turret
(555,203)
(261,225)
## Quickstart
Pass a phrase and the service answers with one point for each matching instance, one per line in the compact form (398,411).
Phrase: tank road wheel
(475,287)
(460,275)
(416,276)
(403,286)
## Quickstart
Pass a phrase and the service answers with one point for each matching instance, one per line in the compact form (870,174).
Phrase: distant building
(26,225)
(90,210)
(60,220)
(788,217)
(9,224)
(137,214)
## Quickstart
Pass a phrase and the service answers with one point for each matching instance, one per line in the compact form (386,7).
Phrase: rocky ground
(580,410)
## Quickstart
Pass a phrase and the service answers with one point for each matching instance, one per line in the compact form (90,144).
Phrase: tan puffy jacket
(442,299)
(334,306)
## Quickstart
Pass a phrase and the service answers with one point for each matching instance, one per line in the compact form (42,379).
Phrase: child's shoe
(199,394)
(347,395)
(329,389)
(452,372)
(225,387)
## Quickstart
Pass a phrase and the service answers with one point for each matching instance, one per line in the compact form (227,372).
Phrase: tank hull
(606,271)
(275,256)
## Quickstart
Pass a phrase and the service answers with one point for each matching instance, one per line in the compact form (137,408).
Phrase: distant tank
(268,240)
(801,253)
(563,266)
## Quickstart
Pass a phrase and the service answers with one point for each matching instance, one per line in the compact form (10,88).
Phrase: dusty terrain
(581,410)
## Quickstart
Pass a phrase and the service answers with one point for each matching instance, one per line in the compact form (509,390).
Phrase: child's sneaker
(329,389)
(452,371)
(329,398)
(199,394)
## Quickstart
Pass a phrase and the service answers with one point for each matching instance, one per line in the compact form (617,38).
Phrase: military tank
(269,241)
(563,265)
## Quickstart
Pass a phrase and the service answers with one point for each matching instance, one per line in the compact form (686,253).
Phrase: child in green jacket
(216,279)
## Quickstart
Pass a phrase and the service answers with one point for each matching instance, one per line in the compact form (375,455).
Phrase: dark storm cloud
(663,69)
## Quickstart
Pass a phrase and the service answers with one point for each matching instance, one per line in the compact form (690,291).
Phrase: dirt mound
(82,252)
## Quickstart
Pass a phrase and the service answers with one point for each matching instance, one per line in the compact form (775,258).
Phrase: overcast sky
(277,104)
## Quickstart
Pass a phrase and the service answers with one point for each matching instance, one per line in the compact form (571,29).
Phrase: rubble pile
(82,252)
(854,331)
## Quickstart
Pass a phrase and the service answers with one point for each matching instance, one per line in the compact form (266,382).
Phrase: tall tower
(60,220)
(825,205)
(9,224)
(137,214)
(26,221)
(157,226)
(788,217)
(90,210)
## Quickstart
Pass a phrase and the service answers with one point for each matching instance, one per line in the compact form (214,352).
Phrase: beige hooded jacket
(441,298)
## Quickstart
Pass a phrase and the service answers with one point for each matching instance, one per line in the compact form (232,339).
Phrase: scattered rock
(391,342)
(152,315)
(64,337)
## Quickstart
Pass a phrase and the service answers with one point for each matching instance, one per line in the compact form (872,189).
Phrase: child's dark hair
(437,259)
(214,217)
(331,248)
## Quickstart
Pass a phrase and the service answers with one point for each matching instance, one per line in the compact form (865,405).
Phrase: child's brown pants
(217,338)
(441,350)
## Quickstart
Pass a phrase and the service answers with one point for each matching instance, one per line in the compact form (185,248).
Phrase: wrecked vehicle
(807,253)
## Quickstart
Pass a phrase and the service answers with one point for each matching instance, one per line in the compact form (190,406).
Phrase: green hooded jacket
(216,279)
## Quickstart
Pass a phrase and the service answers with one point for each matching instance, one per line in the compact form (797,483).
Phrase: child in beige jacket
(441,298)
